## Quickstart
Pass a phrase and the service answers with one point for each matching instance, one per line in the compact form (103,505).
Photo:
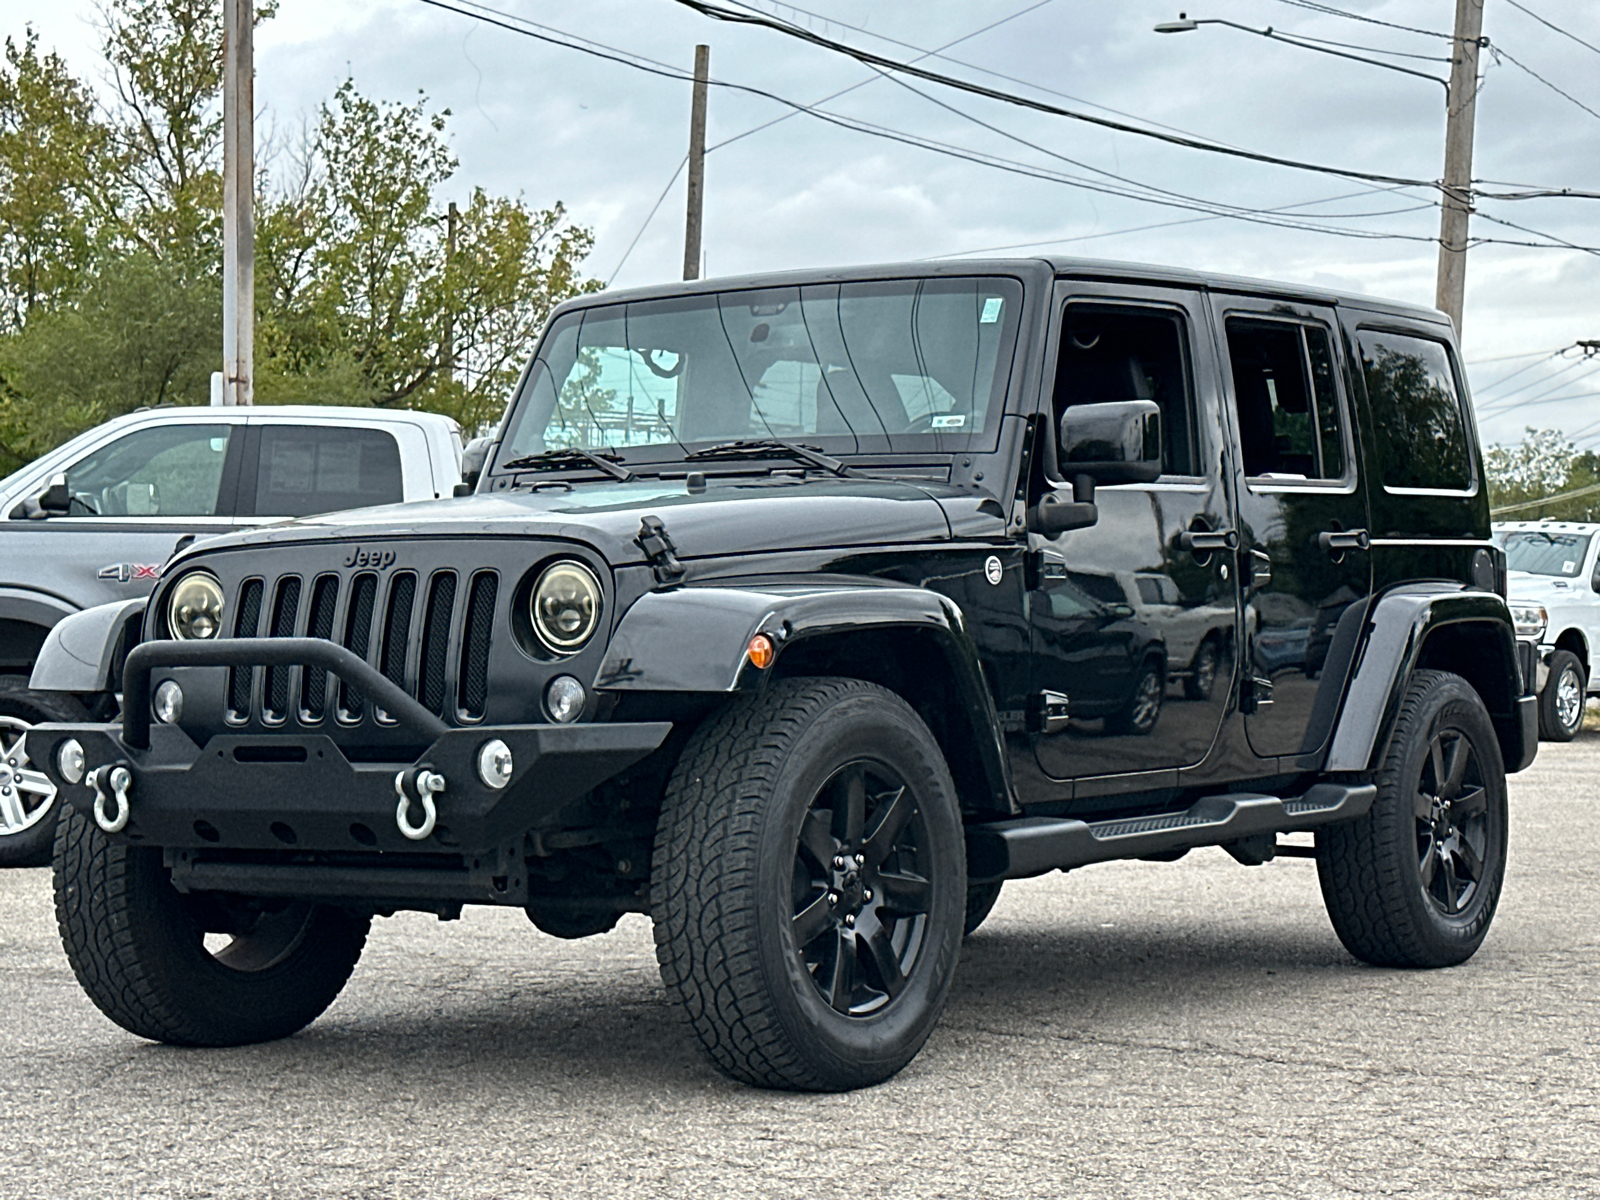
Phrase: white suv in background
(1554,593)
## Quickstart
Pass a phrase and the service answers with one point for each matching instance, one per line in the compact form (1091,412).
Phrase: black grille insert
(314,683)
(436,641)
(285,608)
(246,624)
(358,638)
(397,627)
(479,626)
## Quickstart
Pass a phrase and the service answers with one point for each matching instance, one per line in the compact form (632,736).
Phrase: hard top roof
(1081,268)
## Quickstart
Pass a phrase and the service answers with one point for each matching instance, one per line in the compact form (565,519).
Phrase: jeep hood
(731,517)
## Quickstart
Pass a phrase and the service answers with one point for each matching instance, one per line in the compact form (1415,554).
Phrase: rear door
(1305,547)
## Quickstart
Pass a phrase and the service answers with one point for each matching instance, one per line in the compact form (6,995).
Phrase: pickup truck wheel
(981,899)
(139,948)
(1561,702)
(1415,882)
(1202,679)
(1143,708)
(808,885)
(27,797)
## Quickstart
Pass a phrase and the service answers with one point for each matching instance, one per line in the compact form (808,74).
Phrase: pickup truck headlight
(565,606)
(194,609)
(1529,620)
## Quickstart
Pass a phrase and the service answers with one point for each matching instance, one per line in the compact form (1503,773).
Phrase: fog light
(168,703)
(564,698)
(69,760)
(495,764)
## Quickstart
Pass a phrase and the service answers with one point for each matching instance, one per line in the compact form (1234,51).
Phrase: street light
(1185,23)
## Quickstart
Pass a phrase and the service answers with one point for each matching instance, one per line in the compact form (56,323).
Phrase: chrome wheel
(1569,698)
(26,794)
(1452,823)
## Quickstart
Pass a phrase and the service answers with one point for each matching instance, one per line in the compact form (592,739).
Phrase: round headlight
(565,606)
(194,610)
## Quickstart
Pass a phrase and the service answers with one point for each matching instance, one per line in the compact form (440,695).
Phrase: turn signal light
(761,651)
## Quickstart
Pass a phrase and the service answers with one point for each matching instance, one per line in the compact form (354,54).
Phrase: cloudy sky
(553,123)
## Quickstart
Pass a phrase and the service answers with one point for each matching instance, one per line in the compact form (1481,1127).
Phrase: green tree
(51,152)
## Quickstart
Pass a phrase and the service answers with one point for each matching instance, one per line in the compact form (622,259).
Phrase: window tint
(1416,411)
(1286,399)
(167,471)
(307,469)
(908,364)
(1130,354)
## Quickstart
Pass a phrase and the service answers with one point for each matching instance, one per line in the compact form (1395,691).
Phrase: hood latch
(657,545)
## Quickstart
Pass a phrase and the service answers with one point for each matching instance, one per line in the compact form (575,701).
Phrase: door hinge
(1033,570)
(1048,712)
(1256,694)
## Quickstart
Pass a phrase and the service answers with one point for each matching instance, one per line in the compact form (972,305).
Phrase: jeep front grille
(381,620)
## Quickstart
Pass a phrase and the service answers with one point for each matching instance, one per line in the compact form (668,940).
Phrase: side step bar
(1033,845)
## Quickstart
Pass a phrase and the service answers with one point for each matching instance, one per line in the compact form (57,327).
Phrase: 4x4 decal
(128,572)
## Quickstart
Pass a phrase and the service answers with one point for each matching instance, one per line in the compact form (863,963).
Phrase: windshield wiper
(772,448)
(570,456)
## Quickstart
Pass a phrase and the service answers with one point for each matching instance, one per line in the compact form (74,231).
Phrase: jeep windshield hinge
(657,545)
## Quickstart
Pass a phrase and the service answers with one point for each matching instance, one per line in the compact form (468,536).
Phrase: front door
(1302,517)
(1134,625)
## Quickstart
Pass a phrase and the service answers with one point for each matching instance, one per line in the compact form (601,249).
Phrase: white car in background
(1554,591)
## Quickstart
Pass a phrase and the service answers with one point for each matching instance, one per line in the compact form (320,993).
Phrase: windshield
(902,366)
(1541,553)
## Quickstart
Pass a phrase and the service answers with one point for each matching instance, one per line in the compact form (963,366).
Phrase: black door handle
(1204,541)
(1337,541)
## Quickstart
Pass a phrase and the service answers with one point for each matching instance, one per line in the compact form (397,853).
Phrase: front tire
(1415,882)
(27,797)
(139,950)
(1561,702)
(808,885)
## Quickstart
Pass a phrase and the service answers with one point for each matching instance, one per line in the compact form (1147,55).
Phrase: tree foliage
(1543,464)
(371,288)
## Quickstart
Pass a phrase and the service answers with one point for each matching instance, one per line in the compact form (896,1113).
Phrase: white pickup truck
(1554,592)
(92,522)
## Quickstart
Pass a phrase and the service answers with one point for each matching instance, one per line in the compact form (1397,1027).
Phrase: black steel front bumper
(296,791)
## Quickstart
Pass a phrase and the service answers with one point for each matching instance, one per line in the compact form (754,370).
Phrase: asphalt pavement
(1132,1029)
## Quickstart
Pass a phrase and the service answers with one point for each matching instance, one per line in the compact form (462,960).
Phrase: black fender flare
(1427,625)
(696,639)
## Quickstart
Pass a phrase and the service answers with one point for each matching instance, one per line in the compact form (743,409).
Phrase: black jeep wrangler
(801,612)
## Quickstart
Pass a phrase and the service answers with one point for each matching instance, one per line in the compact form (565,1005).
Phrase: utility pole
(1459,111)
(447,348)
(238,203)
(697,163)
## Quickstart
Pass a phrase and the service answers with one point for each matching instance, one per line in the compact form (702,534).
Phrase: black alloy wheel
(1415,881)
(861,887)
(1452,814)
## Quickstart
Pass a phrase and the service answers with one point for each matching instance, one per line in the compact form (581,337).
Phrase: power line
(1476,362)
(1499,53)
(1330,11)
(1590,490)
(1258,216)
(1552,25)
(867,57)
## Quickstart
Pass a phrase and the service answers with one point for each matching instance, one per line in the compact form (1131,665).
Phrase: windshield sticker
(1568,567)
(991,310)
(950,421)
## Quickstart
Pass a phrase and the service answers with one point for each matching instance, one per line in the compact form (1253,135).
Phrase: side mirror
(55,500)
(473,457)
(1118,441)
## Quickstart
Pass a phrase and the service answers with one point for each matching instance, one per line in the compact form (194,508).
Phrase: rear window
(309,469)
(1416,412)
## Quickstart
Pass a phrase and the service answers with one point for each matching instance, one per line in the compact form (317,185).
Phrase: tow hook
(427,783)
(111,783)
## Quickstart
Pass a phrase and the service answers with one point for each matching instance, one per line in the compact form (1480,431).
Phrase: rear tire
(1415,882)
(138,948)
(808,885)
(27,797)
(1561,703)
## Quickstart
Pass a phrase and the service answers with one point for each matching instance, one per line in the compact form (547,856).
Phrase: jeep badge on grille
(377,559)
